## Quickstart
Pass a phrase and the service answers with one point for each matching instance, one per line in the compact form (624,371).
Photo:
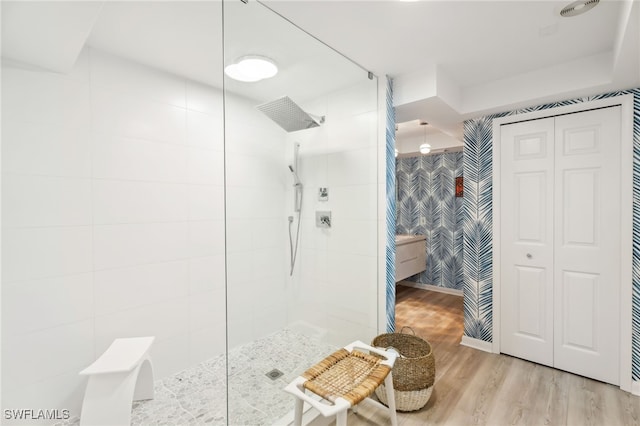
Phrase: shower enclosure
(145,193)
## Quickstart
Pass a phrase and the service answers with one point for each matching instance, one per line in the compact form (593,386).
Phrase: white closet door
(526,267)
(587,244)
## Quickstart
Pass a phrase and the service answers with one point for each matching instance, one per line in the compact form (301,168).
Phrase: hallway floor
(479,388)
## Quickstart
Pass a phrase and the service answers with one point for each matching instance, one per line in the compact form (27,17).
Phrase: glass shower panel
(113,201)
(301,209)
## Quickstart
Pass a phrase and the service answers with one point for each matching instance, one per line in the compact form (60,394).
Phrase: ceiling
(450,60)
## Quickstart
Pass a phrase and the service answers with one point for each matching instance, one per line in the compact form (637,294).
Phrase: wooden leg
(391,399)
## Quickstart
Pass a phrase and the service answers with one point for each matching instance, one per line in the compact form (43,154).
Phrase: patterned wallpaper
(390,187)
(477,223)
(426,189)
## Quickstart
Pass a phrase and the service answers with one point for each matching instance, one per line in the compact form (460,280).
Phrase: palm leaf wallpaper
(477,223)
(426,189)
(390,186)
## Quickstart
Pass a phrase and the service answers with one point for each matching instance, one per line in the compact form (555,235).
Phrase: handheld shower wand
(297,185)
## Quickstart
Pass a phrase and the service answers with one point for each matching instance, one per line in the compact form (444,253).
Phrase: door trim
(626,217)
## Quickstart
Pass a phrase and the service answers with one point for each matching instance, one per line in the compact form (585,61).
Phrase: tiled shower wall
(427,205)
(113,220)
(335,282)
(256,223)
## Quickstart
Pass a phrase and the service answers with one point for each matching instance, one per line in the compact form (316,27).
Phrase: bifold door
(560,239)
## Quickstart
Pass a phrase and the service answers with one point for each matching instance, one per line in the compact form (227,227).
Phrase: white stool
(344,379)
(122,374)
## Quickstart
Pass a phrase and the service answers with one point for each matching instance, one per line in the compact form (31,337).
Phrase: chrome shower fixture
(296,179)
(288,115)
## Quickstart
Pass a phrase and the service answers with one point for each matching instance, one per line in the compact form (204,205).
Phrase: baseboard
(481,345)
(635,387)
(431,287)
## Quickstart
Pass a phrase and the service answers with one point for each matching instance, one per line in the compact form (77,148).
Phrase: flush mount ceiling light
(578,7)
(251,68)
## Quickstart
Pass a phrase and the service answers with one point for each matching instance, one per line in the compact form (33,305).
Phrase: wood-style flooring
(478,388)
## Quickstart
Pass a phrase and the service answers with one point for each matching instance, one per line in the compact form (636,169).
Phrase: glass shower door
(301,185)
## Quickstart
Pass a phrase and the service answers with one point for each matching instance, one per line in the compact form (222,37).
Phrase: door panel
(580,219)
(579,298)
(587,244)
(530,287)
(527,240)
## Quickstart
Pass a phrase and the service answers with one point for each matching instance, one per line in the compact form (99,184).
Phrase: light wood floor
(479,388)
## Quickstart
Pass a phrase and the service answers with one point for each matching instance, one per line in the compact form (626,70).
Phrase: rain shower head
(288,115)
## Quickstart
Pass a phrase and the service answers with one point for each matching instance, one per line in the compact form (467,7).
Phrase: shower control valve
(323,219)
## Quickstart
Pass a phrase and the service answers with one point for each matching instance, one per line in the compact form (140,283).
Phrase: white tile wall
(205,341)
(204,132)
(50,302)
(142,285)
(205,166)
(353,167)
(163,320)
(113,222)
(204,202)
(134,117)
(117,157)
(60,149)
(44,98)
(118,246)
(206,238)
(170,355)
(31,201)
(42,252)
(205,311)
(30,357)
(207,274)
(335,285)
(120,201)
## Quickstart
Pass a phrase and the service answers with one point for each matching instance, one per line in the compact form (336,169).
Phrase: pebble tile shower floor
(197,395)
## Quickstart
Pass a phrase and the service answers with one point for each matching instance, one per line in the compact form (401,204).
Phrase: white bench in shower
(122,374)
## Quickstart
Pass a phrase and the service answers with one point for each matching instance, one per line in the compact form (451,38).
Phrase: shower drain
(274,374)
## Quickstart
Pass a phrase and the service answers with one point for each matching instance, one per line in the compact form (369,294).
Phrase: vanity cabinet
(411,255)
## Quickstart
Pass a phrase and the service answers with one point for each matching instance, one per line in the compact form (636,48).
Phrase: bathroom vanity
(411,255)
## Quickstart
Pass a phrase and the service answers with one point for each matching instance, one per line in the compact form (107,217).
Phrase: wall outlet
(423,220)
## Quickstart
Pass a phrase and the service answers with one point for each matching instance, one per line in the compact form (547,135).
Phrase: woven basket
(414,372)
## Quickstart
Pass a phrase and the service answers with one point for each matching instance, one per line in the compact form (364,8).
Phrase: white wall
(335,281)
(113,223)
(256,223)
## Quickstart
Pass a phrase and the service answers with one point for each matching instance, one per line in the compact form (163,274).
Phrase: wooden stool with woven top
(343,380)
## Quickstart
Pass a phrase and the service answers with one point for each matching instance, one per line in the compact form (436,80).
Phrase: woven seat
(345,378)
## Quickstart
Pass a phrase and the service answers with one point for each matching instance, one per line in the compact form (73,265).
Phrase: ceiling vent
(578,8)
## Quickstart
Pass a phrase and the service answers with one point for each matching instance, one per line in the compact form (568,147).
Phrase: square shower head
(288,114)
